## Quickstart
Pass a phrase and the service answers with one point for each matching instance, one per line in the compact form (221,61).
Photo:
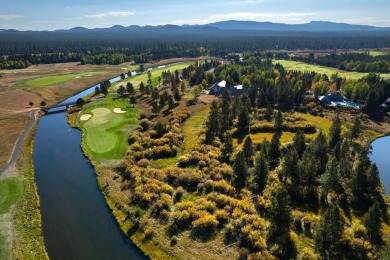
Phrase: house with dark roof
(219,88)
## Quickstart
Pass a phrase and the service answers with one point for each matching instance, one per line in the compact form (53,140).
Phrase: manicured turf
(57,79)
(106,132)
(297,65)
(10,191)
(136,80)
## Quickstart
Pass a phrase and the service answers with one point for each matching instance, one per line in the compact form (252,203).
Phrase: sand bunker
(85,117)
(77,77)
(119,110)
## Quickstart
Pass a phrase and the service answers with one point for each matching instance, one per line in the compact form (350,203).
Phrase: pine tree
(274,150)
(130,88)
(330,180)
(372,221)
(260,171)
(243,122)
(278,122)
(355,130)
(171,103)
(329,231)
(290,167)
(248,150)
(133,100)
(177,95)
(212,124)
(142,87)
(299,143)
(373,179)
(335,132)
(227,148)
(307,168)
(319,147)
(240,170)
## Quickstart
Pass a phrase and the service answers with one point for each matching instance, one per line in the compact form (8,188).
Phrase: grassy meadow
(297,65)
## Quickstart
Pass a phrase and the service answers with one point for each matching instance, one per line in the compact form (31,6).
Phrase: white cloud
(9,17)
(110,14)
(247,16)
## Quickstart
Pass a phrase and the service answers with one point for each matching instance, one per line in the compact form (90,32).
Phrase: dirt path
(10,169)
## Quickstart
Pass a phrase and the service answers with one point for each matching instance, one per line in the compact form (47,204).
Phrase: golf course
(301,66)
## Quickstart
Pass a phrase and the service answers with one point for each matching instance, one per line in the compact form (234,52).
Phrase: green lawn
(378,53)
(57,79)
(297,65)
(10,191)
(106,132)
(136,80)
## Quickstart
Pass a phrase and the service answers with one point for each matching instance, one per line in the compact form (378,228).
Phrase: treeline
(351,61)
(114,47)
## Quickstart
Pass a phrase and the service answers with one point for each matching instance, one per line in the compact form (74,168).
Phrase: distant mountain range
(315,26)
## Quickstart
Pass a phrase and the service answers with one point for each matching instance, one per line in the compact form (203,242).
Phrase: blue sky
(65,14)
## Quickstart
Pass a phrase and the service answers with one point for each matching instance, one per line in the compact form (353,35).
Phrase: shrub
(174,240)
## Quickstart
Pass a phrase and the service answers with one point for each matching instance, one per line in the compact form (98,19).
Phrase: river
(76,221)
(380,155)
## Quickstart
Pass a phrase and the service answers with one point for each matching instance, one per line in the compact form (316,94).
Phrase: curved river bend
(76,221)
(381,156)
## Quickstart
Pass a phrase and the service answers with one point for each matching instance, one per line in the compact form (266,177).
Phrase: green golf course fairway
(136,80)
(57,79)
(106,132)
(297,65)
(10,191)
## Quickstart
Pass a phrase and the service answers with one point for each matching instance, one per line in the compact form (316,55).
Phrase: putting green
(57,79)
(106,132)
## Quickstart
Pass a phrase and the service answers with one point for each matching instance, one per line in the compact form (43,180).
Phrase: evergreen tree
(142,87)
(121,90)
(240,170)
(330,180)
(162,101)
(97,91)
(147,90)
(278,122)
(373,179)
(155,108)
(269,113)
(177,95)
(307,168)
(130,88)
(171,103)
(359,180)
(227,148)
(212,124)
(274,150)
(280,218)
(290,167)
(299,143)
(335,132)
(319,147)
(355,130)
(260,171)
(329,231)
(133,100)
(183,87)
(372,222)
(248,150)
(243,122)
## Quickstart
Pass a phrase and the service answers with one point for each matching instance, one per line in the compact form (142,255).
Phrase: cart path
(10,169)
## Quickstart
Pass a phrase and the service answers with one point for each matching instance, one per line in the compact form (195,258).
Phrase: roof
(222,84)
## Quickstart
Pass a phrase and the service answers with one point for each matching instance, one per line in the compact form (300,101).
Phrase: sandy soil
(119,110)
(85,117)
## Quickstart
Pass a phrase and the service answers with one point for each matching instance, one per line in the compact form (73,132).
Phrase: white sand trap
(77,77)
(85,117)
(119,110)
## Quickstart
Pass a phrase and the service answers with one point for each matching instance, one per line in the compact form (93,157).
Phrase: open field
(55,80)
(106,132)
(297,65)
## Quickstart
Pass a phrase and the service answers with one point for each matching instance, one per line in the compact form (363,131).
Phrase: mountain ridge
(232,25)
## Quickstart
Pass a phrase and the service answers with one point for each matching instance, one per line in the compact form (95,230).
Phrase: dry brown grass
(11,126)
